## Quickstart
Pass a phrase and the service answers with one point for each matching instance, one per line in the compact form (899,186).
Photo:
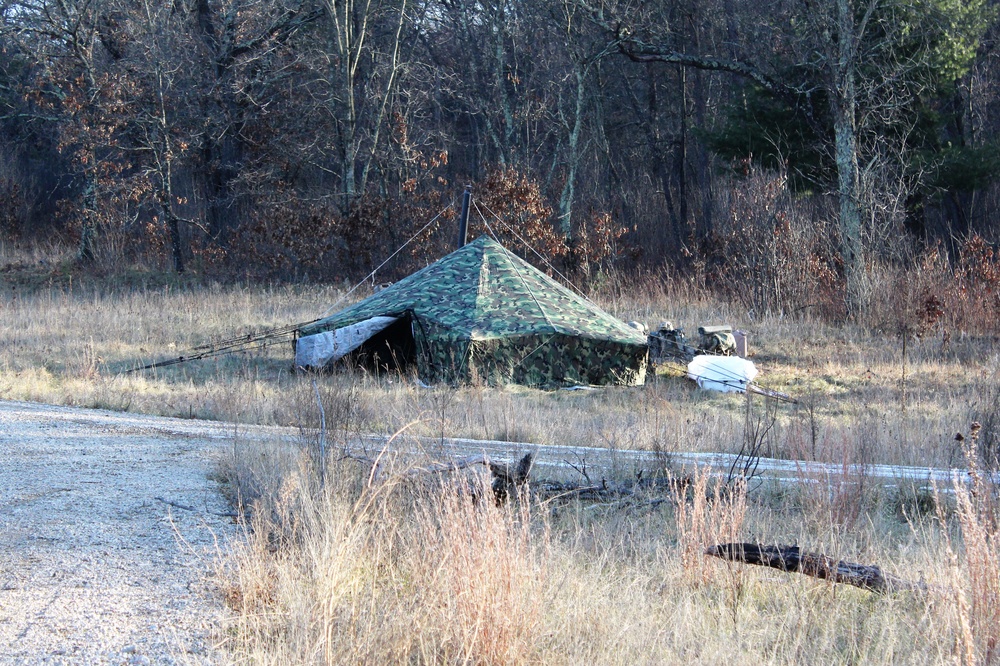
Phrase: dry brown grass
(977,584)
(347,572)
(65,345)
(975,565)
(421,573)
(358,572)
(706,516)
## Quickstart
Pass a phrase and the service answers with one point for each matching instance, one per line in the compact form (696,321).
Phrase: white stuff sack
(722,373)
(315,351)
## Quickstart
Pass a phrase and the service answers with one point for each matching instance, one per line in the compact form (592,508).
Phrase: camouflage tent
(483,314)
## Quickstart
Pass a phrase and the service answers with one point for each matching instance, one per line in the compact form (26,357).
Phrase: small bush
(768,255)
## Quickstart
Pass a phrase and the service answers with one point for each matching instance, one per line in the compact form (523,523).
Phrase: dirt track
(93,568)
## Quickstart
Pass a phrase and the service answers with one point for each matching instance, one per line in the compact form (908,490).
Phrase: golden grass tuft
(977,595)
(353,572)
(976,574)
(706,516)
(482,570)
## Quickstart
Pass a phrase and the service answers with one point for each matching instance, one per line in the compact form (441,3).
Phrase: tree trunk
(661,171)
(176,244)
(682,146)
(218,191)
(87,251)
(573,160)
(843,102)
(167,207)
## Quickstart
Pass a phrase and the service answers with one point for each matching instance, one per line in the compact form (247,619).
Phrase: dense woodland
(810,144)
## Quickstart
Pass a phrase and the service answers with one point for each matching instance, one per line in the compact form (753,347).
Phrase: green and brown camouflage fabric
(483,314)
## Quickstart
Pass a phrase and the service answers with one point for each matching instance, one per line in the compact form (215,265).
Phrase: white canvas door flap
(315,351)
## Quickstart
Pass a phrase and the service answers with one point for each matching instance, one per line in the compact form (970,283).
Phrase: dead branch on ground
(510,477)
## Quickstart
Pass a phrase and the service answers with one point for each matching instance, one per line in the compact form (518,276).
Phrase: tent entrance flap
(391,349)
(321,349)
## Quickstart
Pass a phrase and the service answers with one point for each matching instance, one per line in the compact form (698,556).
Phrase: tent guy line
(527,245)
(255,341)
(527,288)
(371,275)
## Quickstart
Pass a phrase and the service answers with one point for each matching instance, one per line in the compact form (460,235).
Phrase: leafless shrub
(928,294)
(757,442)
(767,256)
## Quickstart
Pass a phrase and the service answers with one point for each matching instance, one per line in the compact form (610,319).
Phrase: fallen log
(608,490)
(817,565)
(508,477)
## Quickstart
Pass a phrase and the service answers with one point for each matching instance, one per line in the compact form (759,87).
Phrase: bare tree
(359,60)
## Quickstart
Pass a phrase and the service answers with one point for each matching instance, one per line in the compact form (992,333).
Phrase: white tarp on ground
(722,373)
(315,351)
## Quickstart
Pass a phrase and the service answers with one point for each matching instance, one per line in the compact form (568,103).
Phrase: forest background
(787,154)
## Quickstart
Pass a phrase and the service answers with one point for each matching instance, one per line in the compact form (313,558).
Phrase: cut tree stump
(817,565)
(509,478)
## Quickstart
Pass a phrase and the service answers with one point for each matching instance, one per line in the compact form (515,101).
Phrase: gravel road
(93,568)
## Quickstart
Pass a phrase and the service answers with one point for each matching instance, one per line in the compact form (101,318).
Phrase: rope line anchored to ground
(263,339)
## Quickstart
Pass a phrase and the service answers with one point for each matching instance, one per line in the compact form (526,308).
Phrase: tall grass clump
(484,570)
(707,516)
(978,593)
(976,576)
(389,571)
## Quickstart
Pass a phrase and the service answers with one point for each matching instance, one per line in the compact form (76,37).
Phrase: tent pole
(463,222)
